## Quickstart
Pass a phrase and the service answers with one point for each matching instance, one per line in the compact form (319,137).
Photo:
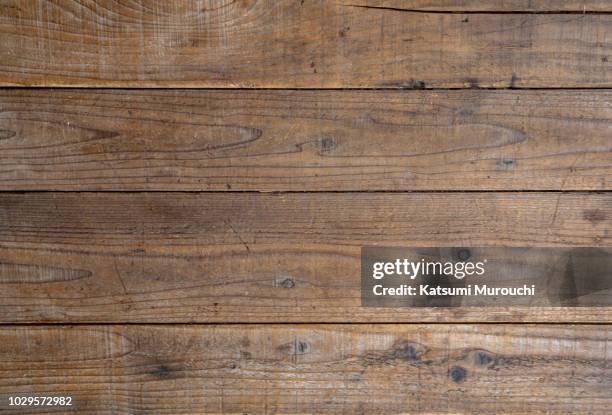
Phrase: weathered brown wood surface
(384,167)
(305,140)
(491,6)
(249,257)
(398,369)
(297,44)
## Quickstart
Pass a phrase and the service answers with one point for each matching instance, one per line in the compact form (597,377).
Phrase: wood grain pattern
(343,160)
(365,369)
(492,6)
(295,44)
(305,140)
(249,257)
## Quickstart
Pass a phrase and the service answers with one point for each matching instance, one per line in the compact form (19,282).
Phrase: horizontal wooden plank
(250,257)
(546,6)
(305,140)
(364,369)
(295,44)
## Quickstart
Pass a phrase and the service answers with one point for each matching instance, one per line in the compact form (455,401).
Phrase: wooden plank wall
(221,162)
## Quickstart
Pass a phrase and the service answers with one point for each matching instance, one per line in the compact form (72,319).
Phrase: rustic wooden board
(305,140)
(249,257)
(492,6)
(295,44)
(364,369)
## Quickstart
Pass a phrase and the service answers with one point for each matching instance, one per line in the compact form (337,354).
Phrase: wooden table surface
(185,187)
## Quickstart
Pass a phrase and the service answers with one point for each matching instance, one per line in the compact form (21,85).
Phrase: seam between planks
(310,323)
(273,192)
(493,12)
(384,88)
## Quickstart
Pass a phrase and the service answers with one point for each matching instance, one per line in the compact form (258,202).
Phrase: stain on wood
(393,369)
(300,44)
(248,257)
(305,140)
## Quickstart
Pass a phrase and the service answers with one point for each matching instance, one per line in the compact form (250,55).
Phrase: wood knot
(327,144)
(301,347)
(297,347)
(342,32)
(482,358)
(408,351)
(458,374)
(506,164)
(161,372)
(287,283)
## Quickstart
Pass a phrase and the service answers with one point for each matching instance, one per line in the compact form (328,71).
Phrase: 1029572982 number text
(40,401)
